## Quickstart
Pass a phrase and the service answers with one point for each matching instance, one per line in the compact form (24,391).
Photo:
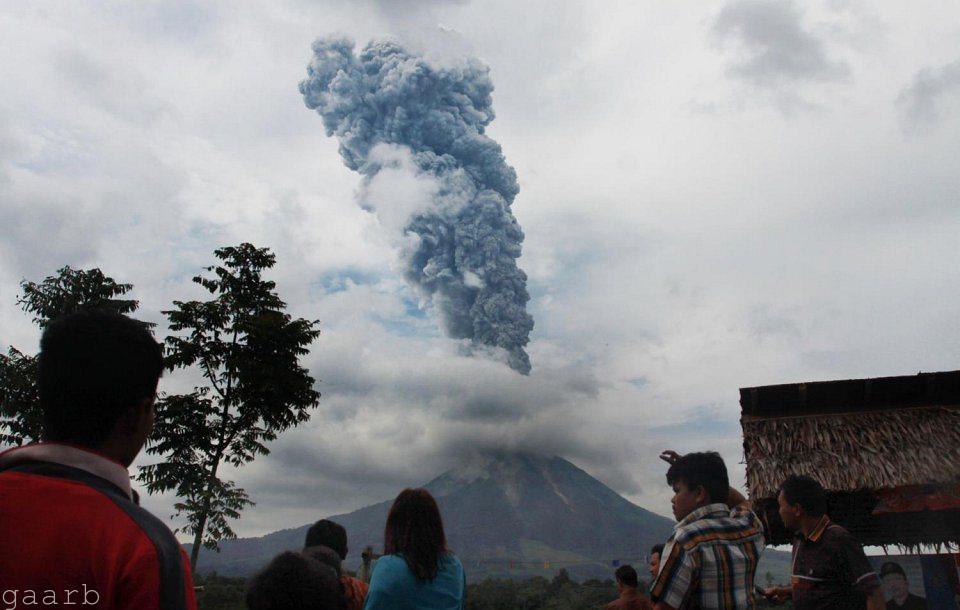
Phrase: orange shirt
(630,600)
(356,592)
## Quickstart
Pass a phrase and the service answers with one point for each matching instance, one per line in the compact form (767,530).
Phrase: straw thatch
(854,451)
(859,437)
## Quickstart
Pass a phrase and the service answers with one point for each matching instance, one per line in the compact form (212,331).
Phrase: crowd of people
(711,559)
(72,531)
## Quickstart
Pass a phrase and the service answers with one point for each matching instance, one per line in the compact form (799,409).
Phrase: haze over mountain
(514,515)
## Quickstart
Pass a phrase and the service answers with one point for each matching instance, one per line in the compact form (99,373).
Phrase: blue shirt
(394,587)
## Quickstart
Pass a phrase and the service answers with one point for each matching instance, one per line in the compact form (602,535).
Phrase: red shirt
(70,532)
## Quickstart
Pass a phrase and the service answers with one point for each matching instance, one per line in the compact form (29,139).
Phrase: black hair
(807,492)
(628,576)
(329,534)
(95,364)
(892,567)
(656,550)
(414,531)
(295,582)
(702,469)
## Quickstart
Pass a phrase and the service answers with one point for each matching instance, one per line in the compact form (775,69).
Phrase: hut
(887,450)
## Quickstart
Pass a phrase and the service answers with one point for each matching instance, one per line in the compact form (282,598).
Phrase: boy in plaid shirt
(710,560)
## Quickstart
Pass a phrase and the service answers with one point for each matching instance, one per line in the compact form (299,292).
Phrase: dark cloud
(404,120)
(776,51)
(925,101)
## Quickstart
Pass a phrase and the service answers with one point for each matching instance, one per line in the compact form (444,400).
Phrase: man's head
(627,577)
(697,479)
(895,581)
(329,534)
(295,582)
(98,376)
(801,496)
(655,554)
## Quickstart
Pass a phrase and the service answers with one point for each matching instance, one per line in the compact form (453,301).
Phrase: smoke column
(394,111)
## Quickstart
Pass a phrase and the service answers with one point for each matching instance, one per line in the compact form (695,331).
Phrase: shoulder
(451,566)
(158,553)
(740,526)
(839,535)
(389,568)
(156,531)
(452,560)
(165,552)
(744,513)
(691,534)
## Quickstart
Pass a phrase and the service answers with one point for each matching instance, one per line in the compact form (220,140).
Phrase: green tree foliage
(71,290)
(19,398)
(248,350)
(221,592)
(66,292)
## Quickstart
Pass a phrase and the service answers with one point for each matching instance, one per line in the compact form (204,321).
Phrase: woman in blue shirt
(417,571)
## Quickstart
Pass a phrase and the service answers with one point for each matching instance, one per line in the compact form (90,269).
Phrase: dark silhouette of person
(294,581)
(69,519)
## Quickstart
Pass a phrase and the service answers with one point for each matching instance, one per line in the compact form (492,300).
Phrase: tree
(66,292)
(71,290)
(19,398)
(248,350)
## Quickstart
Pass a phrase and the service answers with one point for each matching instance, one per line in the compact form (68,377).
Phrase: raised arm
(735,499)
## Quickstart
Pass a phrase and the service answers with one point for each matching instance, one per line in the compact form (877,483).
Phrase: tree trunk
(202,524)
(226,396)
(197,540)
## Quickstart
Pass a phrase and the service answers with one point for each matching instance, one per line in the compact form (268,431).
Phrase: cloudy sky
(715,194)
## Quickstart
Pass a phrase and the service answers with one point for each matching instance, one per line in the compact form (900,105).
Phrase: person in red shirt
(326,534)
(630,599)
(71,529)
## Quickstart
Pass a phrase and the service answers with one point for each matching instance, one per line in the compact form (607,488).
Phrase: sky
(714,194)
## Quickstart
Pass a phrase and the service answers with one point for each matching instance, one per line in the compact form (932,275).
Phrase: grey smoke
(923,100)
(777,49)
(397,114)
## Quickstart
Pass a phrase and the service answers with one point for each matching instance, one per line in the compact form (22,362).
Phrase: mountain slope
(504,515)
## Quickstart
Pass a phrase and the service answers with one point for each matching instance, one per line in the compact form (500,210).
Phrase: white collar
(75,457)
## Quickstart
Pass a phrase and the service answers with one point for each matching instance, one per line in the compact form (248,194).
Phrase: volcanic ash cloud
(415,131)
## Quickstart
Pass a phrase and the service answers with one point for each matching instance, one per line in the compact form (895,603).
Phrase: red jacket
(69,523)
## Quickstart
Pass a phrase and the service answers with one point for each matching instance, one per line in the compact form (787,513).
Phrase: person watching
(654,565)
(710,560)
(417,571)
(830,569)
(627,584)
(69,519)
(294,581)
(327,535)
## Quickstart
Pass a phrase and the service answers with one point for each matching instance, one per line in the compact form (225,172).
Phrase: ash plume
(415,131)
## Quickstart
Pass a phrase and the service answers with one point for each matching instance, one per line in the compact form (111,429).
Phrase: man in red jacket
(71,531)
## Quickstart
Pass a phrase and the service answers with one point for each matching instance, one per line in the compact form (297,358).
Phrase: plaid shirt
(710,560)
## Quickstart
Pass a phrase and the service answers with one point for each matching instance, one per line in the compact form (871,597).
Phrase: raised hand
(670,457)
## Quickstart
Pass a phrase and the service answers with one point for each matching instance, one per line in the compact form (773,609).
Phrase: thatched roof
(872,450)
(857,437)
